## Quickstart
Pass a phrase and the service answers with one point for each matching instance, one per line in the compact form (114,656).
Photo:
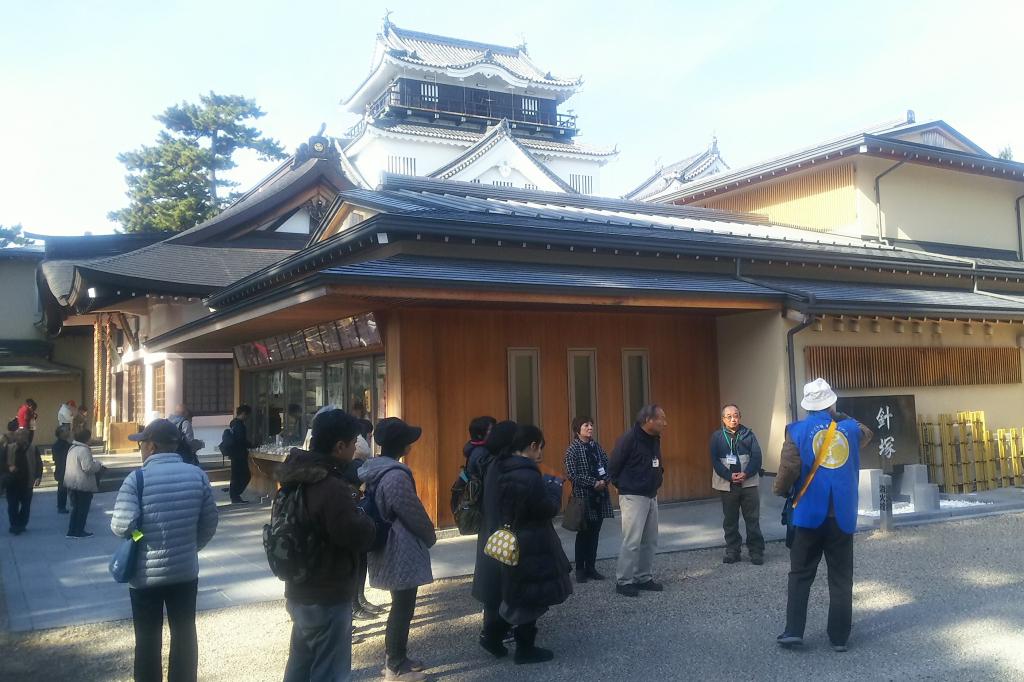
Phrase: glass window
(208,386)
(336,383)
(380,384)
(523,385)
(636,378)
(313,341)
(360,387)
(292,431)
(314,393)
(583,384)
(329,334)
(275,403)
(159,394)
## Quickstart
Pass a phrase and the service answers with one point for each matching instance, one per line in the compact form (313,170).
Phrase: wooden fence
(963,456)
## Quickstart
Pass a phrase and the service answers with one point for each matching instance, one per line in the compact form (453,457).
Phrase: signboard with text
(893,419)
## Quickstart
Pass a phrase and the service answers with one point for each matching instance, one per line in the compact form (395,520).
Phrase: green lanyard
(730,442)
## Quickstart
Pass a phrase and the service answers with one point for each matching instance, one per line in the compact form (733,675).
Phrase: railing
(393,97)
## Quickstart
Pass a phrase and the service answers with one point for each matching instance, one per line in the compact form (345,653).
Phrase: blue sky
(81,81)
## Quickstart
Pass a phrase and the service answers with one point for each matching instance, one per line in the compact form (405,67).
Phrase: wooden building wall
(824,199)
(450,365)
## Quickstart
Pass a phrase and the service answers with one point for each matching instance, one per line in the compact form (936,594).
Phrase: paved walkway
(51,581)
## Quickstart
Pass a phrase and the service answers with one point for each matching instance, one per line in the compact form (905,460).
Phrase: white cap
(818,395)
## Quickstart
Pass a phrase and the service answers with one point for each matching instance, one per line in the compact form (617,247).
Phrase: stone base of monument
(868,490)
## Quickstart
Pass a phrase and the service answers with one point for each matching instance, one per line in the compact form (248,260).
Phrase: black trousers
(19,503)
(148,615)
(747,500)
(396,636)
(804,556)
(586,545)
(240,475)
(80,503)
(360,596)
(495,627)
(62,496)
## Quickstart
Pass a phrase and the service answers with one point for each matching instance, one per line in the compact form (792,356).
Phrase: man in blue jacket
(636,469)
(821,463)
(736,465)
(177,518)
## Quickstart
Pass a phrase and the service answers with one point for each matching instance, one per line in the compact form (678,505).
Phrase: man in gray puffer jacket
(178,517)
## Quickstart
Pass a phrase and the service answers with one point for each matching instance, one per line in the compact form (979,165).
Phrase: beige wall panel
(753,371)
(927,204)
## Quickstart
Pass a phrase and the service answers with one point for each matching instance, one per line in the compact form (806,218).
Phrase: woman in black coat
(516,493)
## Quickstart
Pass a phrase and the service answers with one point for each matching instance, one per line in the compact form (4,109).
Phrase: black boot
(365,605)
(492,639)
(526,651)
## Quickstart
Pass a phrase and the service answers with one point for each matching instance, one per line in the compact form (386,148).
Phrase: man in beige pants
(637,471)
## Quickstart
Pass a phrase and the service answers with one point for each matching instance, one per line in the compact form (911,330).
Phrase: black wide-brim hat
(393,435)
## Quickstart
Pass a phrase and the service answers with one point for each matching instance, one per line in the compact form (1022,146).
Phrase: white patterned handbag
(503,546)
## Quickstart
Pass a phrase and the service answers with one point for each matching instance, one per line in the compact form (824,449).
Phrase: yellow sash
(826,445)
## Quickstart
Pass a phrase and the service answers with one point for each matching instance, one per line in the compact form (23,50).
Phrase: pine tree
(173,184)
(12,235)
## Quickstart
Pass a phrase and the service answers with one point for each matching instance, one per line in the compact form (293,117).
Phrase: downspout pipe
(878,199)
(1020,232)
(807,297)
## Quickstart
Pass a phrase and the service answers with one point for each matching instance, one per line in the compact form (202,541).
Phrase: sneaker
(650,586)
(362,614)
(239,500)
(404,674)
(494,648)
(628,590)
(730,559)
(532,654)
(83,534)
(594,575)
(840,648)
(375,609)
(787,641)
(757,559)
(63,511)
(581,577)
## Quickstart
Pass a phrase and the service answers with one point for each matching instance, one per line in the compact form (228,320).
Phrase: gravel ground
(936,602)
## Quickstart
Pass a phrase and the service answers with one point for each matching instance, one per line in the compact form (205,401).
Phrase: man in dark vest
(820,468)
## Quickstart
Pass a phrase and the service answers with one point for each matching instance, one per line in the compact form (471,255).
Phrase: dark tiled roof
(36,368)
(487,273)
(202,267)
(279,186)
(687,169)
(30,252)
(860,297)
(437,51)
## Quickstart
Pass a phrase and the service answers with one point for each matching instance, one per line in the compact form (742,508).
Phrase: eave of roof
(452,56)
(279,187)
(863,143)
(455,136)
(489,141)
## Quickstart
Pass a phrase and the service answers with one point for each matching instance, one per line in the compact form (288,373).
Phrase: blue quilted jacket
(178,518)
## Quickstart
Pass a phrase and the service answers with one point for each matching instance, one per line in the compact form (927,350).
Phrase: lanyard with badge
(731,442)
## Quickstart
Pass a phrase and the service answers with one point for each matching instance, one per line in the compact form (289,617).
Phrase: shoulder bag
(122,564)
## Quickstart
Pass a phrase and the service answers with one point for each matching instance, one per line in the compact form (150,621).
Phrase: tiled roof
(861,297)
(452,53)
(489,273)
(494,136)
(471,137)
(200,267)
(675,174)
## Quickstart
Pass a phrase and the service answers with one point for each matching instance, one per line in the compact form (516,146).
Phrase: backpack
(467,498)
(227,441)
(188,454)
(369,506)
(294,547)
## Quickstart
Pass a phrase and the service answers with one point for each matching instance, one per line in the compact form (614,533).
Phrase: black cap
(158,431)
(393,435)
